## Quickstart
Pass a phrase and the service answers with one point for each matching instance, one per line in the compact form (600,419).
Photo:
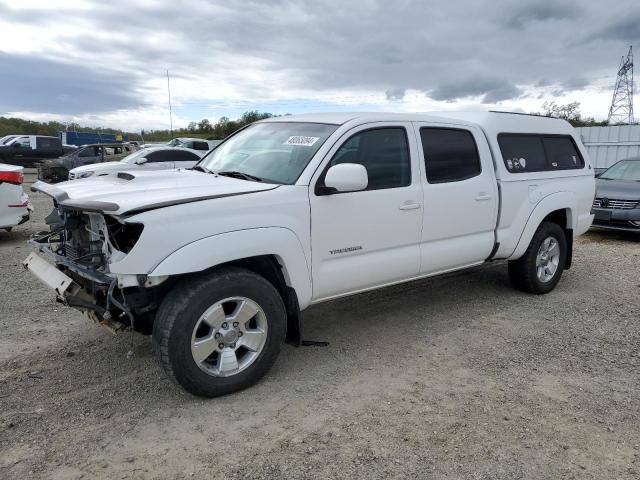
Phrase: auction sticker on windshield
(301,141)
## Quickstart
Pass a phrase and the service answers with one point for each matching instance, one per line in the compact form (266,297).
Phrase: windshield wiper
(199,168)
(236,174)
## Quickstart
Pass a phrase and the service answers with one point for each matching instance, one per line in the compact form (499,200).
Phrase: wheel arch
(274,253)
(270,251)
(557,208)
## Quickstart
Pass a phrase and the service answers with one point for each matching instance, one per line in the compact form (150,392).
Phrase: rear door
(460,197)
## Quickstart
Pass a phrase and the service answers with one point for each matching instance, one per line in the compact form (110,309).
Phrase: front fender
(226,247)
(556,201)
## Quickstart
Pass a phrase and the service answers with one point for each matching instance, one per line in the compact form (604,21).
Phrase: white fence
(607,145)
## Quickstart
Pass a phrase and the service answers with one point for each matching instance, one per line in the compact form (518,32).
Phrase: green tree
(571,113)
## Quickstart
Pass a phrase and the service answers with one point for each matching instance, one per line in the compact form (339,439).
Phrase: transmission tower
(621,111)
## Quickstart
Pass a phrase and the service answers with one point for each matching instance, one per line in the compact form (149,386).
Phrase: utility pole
(170,112)
(621,111)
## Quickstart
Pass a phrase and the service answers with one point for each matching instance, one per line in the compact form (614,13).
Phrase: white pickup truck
(218,261)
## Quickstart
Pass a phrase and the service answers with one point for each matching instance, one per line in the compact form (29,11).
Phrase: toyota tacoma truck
(217,262)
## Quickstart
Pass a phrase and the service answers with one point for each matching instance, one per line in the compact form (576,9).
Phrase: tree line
(571,113)
(203,129)
(225,126)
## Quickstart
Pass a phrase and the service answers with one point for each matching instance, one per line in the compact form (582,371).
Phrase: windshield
(135,156)
(275,152)
(623,170)
(7,139)
(176,142)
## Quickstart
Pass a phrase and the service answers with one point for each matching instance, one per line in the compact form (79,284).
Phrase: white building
(607,145)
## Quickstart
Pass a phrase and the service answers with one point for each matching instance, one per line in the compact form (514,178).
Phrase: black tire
(522,272)
(180,311)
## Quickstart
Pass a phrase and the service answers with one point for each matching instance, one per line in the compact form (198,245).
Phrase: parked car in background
(617,202)
(14,203)
(57,170)
(191,143)
(220,260)
(154,158)
(27,150)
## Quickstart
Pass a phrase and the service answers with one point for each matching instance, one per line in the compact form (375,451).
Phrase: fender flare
(236,245)
(555,201)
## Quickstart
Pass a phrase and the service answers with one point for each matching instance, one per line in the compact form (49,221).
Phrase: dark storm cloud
(494,50)
(525,13)
(492,90)
(626,29)
(40,85)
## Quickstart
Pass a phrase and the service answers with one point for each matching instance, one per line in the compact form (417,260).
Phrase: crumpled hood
(617,189)
(134,192)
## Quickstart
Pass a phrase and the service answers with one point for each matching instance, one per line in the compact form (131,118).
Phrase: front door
(460,197)
(368,238)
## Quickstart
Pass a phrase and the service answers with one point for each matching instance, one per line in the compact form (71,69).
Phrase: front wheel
(540,268)
(220,333)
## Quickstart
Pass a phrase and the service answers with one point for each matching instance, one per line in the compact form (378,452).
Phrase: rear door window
(450,155)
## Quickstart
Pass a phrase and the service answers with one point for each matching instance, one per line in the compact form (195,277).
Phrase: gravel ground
(454,377)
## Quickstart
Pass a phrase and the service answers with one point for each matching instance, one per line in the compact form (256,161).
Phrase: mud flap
(569,238)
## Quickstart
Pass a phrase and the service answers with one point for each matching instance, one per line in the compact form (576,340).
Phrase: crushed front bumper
(42,242)
(62,284)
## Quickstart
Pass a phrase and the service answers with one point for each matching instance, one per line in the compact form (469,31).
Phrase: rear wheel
(220,333)
(540,268)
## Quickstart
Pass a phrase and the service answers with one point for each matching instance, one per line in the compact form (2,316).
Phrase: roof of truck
(494,122)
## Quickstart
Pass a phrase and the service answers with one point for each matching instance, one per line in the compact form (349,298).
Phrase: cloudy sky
(104,62)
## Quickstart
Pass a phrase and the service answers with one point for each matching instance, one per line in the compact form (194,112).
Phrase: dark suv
(57,169)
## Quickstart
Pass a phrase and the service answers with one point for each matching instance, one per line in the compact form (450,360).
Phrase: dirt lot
(456,377)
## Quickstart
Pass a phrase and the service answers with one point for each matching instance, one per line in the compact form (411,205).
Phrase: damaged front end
(82,245)
(52,171)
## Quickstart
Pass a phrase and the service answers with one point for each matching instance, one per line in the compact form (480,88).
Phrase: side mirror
(140,161)
(16,145)
(346,177)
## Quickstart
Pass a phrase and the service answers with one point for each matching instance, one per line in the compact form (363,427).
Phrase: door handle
(409,206)
(483,197)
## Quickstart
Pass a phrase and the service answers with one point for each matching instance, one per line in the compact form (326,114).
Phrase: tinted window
(450,155)
(89,152)
(200,146)
(539,153)
(384,152)
(160,156)
(562,153)
(182,156)
(44,143)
